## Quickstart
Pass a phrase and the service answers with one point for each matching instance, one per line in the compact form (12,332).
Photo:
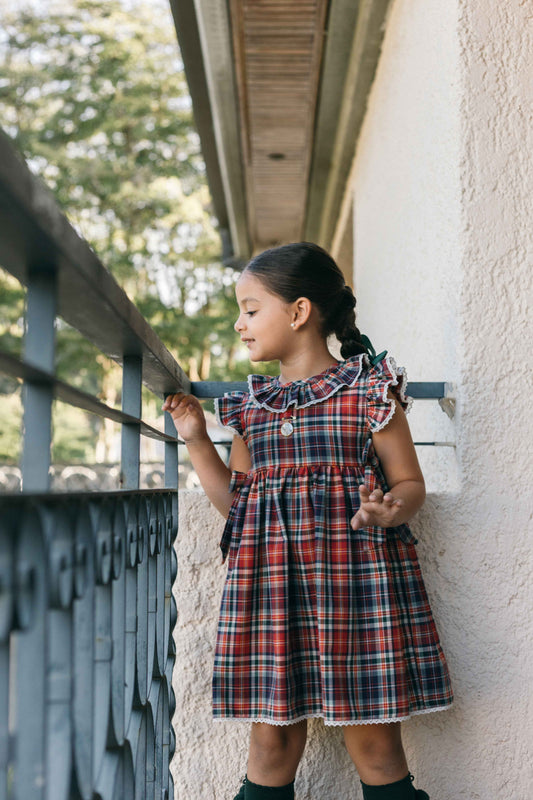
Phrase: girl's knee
(374,744)
(277,743)
(377,753)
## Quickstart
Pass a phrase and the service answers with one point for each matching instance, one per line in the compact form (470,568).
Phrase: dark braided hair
(304,269)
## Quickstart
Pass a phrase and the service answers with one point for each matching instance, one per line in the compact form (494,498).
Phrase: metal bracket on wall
(447,403)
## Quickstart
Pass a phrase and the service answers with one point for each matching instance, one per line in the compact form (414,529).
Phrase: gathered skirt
(316,619)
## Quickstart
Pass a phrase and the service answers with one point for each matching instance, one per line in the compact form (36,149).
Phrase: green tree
(94,95)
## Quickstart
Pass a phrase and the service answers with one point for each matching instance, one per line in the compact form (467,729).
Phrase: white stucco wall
(442,184)
(407,211)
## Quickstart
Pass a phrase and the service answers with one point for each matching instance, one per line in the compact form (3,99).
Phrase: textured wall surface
(442,183)
(209,757)
(407,211)
(496,430)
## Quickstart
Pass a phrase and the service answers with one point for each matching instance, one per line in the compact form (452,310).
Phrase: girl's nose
(239,324)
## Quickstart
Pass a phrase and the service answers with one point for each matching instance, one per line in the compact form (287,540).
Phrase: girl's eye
(250,313)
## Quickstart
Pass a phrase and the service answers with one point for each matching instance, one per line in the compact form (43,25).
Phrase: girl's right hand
(187,415)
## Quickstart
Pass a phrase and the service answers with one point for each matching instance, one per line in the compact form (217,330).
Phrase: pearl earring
(292,324)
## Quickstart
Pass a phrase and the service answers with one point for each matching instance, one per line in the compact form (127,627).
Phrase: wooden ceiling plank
(278,50)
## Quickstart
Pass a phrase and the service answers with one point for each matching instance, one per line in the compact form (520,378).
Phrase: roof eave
(354,37)
(203,30)
(350,62)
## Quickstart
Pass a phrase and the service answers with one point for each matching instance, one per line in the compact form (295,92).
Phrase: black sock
(253,791)
(400,790)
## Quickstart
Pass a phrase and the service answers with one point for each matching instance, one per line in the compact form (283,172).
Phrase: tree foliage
(93,94)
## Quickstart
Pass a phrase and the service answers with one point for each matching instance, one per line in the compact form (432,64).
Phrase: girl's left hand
(376,509)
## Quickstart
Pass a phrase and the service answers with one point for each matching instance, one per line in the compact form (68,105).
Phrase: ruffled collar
(269,393)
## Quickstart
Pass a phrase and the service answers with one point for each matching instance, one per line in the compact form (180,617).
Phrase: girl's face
(264,322)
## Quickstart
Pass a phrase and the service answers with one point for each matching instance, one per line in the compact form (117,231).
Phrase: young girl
(324,612)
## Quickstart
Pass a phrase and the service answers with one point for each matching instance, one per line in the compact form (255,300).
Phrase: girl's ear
(301,311)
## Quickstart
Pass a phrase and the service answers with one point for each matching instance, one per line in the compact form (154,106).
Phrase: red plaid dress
(316,619)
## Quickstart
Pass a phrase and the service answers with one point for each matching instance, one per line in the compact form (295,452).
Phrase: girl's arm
(189,420)
(396,452)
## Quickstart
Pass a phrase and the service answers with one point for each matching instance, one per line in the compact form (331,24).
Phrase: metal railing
(86,648)
(86,607)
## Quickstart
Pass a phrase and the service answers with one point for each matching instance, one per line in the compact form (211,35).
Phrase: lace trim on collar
(272,395)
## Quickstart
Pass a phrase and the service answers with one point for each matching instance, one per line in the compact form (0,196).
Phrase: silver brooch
(287,428)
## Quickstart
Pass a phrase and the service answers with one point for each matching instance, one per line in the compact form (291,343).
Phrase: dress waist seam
(307,467)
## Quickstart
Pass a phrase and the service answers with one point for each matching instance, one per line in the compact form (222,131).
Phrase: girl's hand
(188,416)
(377,509)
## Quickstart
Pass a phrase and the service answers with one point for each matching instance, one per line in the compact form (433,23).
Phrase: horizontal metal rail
(420,390)
(17,368)
(36,237)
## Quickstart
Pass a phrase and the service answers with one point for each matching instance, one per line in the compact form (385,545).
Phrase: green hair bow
(374,359)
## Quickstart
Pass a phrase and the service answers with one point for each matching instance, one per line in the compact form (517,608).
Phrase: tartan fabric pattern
(317,619)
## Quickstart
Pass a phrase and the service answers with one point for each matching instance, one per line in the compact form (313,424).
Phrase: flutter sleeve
(228,411)
(382,376)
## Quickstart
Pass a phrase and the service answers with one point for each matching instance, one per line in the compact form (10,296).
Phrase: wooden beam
(366,49)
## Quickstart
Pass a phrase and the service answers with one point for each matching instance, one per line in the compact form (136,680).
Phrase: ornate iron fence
(86,647)
(86,607)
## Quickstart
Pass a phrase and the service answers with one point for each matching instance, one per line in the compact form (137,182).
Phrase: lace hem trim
(336,723)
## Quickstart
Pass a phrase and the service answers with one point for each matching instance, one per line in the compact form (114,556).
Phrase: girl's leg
(377,752)
(275,752)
